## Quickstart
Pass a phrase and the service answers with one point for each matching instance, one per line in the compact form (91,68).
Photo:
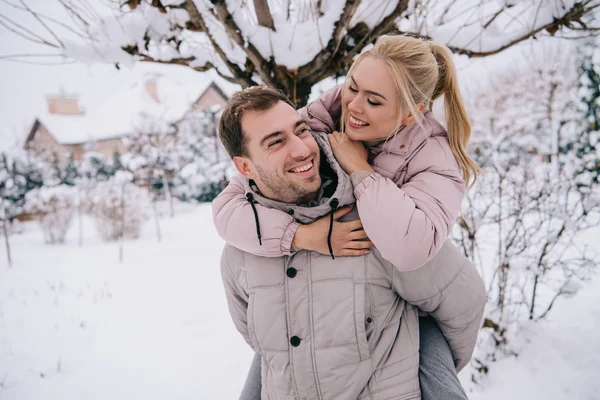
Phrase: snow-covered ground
(77,324)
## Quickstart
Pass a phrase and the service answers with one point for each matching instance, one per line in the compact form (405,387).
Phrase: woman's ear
(244,166)
(410,118)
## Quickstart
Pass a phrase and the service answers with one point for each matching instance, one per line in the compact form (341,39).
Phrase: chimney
(63,104)
(152,89)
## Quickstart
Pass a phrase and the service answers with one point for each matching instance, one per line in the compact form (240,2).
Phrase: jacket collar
(408,138)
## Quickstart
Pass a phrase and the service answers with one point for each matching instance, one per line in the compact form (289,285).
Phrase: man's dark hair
(255,98)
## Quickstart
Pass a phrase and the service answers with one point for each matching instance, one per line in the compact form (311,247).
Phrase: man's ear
(410,118)
(244,166)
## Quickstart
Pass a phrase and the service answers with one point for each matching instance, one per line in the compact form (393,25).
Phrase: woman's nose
(354,106)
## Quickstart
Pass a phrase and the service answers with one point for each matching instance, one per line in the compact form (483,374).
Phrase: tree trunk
(5,228)
(533,296)
(168,193)
(263,14)
(156,220)
(122,241)
(79,216)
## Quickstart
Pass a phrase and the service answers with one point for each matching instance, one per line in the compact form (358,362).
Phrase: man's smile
(304,170)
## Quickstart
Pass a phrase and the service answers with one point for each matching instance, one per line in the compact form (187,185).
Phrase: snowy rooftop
(130,109)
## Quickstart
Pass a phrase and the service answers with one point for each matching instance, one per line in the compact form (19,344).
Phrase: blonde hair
(424,71)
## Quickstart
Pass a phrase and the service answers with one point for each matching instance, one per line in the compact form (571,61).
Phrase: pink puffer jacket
(407,207)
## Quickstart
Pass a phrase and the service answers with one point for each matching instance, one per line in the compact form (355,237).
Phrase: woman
(408,171)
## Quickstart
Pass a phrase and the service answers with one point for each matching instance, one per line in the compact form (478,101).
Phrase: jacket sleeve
(409,224)
(450,289)
(235,223)
(237,298)
(323,114)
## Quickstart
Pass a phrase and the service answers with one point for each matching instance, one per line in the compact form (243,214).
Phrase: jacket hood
(342,194)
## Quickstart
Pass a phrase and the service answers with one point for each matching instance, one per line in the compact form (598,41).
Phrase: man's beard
(288,191)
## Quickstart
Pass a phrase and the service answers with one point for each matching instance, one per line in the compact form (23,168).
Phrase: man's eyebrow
(277,133)
(270,136)
(369,91)
(299,122)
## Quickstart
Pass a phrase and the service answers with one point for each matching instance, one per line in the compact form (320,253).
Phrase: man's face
(283,157)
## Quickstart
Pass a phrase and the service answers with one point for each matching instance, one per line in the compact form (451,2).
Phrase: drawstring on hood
(334,205)
(250,198)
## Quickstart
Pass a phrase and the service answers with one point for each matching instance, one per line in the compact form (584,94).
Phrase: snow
(559,358)
(77,324)
(301,30)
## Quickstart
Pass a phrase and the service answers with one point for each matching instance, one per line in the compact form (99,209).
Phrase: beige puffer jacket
(344,328)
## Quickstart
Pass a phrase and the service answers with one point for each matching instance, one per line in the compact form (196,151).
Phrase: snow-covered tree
(152,156)
(206,165)
(288,44)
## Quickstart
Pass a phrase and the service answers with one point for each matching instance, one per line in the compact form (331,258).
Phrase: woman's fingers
(353,225)
(359,244)
(357,234)
(342,211)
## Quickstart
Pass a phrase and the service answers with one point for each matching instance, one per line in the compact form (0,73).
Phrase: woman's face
(371,102)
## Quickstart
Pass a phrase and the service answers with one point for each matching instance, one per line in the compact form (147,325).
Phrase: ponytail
(457,121)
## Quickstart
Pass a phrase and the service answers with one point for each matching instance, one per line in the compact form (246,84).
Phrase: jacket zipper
(312,329)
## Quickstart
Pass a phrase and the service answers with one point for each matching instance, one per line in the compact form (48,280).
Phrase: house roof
(129,110)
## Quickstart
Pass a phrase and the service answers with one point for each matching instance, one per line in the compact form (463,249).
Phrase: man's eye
(302,131)
(373,103)
(352,89)
(275,143)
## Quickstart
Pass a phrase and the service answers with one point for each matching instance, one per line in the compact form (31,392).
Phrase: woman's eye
(352,89)
(302,131)
(373,103)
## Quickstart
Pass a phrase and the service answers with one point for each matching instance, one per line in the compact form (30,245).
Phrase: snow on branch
(300,42)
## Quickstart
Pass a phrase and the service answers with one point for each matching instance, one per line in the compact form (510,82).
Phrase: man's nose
(298,149)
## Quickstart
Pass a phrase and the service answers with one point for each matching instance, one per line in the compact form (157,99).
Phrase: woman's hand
(347,238)
(351,154)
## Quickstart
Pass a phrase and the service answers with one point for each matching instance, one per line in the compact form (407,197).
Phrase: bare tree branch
(38,62)
(263,68)
(197,23)
(34,36)
(30,55)
(574,15)
(35,15)
(387,25)
(50,19)
(339,29)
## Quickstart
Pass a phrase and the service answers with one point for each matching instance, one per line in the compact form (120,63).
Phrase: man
(335,328)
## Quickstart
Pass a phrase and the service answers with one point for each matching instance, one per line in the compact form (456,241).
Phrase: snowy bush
(118,206)
(54,208)
(523,222)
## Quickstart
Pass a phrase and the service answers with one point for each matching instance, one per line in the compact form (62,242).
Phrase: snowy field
(77,324)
